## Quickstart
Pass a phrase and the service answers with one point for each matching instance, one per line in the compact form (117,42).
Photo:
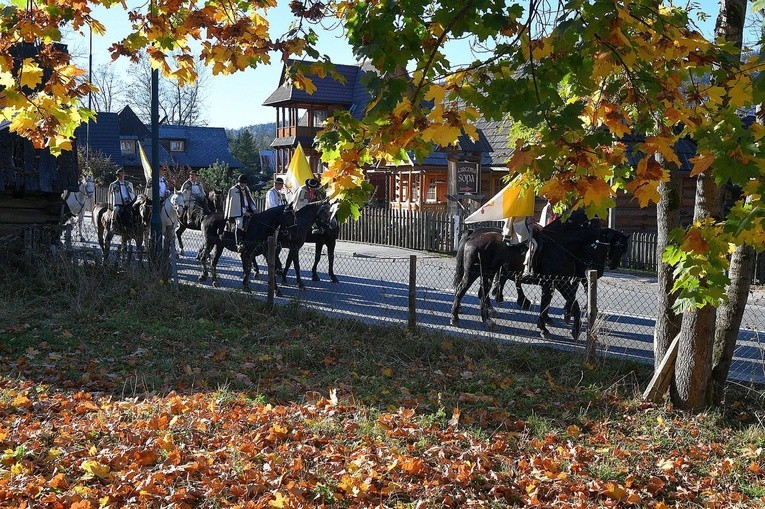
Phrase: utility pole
(156,222)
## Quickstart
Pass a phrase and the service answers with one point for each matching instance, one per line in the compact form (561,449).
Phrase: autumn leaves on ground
(116,393)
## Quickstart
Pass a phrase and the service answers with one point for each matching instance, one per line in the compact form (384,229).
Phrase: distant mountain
(264,134)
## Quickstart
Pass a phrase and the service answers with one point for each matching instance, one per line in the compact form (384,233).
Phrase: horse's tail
(460,268)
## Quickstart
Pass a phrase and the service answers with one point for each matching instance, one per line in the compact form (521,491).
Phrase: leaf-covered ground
(116,393)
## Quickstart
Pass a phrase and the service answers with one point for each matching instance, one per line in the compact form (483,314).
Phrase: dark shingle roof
(496,134)
(203,146)
(328,89)
(104,136)
(131,126)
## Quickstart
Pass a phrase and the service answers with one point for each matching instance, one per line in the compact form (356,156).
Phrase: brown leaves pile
(79,449)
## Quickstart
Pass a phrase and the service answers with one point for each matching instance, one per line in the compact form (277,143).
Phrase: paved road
(373,288)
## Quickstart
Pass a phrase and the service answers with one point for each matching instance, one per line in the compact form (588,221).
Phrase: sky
(234,101)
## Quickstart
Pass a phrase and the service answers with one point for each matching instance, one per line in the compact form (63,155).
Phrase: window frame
(131,144)
(180,143)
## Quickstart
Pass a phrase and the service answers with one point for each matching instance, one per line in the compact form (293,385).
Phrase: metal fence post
(412,292)
(173,264)
(592,313)
(271,270)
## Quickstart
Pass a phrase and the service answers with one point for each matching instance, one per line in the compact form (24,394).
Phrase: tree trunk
(667,219)
(694,360)
(729,317)
(694,356)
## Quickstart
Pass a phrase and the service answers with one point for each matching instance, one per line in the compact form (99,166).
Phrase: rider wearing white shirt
(164,189)
(275,195)
(120,192)
(239,205)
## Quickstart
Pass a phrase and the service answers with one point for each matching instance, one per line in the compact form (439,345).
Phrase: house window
(432,196)
(177,146)
(319,117)
(127,146)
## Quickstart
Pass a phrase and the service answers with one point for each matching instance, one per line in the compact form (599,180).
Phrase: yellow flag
(512,201)
(144,163)
(299,170)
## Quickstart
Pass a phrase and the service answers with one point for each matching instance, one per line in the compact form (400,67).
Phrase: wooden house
(117,135)
(456,179)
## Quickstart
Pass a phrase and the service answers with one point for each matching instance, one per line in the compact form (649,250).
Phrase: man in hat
(164,189)
(275,195)
(305,194)
(239,207)
(194,195)
(120,192)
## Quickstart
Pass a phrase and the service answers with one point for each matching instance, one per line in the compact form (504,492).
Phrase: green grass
(116,335)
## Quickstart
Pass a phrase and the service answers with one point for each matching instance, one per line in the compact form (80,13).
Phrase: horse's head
(178,202)
(87,187)
(619,243)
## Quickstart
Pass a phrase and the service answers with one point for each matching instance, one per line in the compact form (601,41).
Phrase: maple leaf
(31,73)
(701,163)
(695,242)
(96,469)
(279,501)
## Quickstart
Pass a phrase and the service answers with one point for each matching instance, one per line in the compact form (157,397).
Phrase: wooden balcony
(296,131)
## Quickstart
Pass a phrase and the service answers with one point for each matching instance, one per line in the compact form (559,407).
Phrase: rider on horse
(239,207)
(195,197)
(121,194)
(520,230)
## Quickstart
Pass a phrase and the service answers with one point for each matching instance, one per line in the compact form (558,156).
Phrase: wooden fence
(428,231)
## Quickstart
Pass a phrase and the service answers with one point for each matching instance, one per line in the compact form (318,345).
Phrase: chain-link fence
(382,285)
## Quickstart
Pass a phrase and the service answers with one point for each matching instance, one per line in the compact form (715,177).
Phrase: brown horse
(298,234)
(565,249)
(255,239)
(192,218)
(128,224)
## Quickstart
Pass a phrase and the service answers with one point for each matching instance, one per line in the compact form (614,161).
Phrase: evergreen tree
(243,147)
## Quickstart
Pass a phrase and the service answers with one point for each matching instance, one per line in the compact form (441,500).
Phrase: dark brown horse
(299,233)
(255,240)
(192,218)
(564,253)
(127,224)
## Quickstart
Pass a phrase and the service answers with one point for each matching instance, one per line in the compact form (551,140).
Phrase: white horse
(80,201)
(172,208)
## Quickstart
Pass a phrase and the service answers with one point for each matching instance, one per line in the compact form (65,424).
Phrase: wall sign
(468,180)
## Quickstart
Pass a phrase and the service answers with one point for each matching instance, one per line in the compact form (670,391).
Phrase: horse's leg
(286,267)
(483,295)
(546,299)
(178,232)
(523,302)
(331,259)
(128,247)
(80,220)
(202,257)
(247,261)
(214,264)
(107,242)
(497,286)
(316,258)
(467,279)
(296,263)
(576,312)
(572,309)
